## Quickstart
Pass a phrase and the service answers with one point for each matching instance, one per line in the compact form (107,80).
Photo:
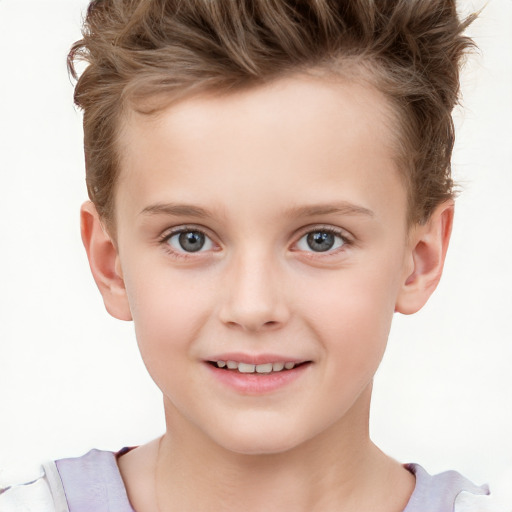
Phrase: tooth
(289,366)
(246,368)
(264,368)
(221,364)
(277,367)
(232,365)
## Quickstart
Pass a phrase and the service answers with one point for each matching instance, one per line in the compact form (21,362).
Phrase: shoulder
(450,492)
(31,489)
(91,482)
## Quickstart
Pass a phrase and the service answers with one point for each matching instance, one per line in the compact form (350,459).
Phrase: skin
(256,171)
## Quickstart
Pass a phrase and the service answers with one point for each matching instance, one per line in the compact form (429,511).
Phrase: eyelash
(338,233)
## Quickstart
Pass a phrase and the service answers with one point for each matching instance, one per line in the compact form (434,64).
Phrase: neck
(339,469)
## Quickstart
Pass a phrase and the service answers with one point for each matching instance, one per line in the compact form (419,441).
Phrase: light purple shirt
(93,483)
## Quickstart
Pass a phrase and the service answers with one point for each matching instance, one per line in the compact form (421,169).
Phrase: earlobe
(104,262)
(426,256)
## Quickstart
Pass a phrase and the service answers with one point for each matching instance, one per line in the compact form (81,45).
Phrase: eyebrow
(341,208)
(176,210)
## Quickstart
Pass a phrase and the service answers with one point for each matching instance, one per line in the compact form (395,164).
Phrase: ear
(104,262)
(427,252)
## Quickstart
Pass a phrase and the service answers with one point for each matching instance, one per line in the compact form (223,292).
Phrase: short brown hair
(140,49)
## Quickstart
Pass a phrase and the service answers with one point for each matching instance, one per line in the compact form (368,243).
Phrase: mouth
(264,369)
(257,375)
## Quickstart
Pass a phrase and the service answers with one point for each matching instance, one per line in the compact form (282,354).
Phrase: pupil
(320,241)
(191,241)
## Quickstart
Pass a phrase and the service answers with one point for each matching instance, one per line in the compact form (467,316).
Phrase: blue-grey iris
(191,241)
(320,241)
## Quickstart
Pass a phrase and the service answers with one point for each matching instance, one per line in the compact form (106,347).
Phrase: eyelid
(329,228)
(183,228)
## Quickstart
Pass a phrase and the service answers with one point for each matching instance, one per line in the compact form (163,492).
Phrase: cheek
(168,311)
(352,317)
(352,299)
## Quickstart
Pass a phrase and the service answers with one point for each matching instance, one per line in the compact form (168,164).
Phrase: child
(269,183)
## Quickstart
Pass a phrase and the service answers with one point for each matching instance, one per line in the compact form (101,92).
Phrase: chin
(259,440)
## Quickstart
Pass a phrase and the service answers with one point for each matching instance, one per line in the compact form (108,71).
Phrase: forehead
(290,102)
(299,134)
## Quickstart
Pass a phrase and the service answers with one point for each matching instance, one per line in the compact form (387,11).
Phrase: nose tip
(251,313)
(254,300)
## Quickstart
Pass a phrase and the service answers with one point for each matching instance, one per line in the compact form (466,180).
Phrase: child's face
(267,226)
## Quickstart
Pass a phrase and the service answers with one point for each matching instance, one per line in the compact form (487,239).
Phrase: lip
(255,384)
(240,357)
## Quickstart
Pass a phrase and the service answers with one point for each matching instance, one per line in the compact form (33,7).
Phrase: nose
(254,295)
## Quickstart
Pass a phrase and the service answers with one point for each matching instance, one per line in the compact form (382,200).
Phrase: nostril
(254,326)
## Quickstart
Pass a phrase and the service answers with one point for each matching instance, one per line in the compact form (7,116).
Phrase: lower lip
(257,383)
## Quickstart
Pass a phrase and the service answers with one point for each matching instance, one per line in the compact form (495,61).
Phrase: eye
(321,240)
(189,241)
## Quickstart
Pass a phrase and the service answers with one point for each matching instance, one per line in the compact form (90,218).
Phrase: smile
(255,368)
(256,375)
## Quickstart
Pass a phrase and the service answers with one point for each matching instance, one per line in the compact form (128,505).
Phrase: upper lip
(255,358)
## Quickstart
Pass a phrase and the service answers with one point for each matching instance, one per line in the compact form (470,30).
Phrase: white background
(70,376)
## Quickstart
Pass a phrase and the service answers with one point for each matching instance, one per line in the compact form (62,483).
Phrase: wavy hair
(160,50)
